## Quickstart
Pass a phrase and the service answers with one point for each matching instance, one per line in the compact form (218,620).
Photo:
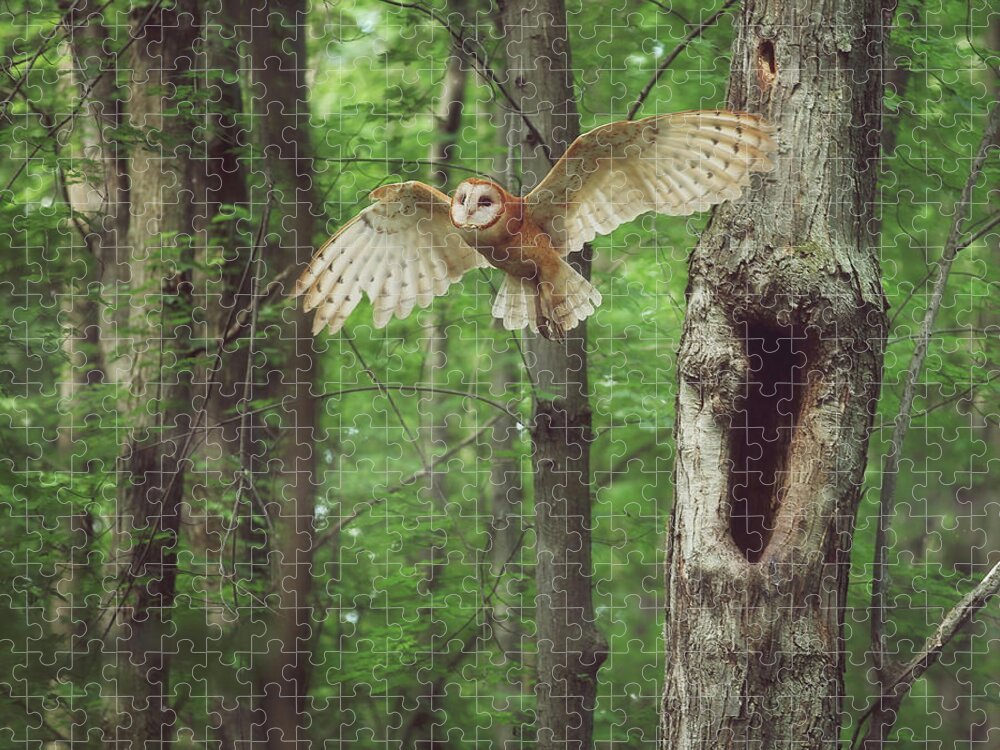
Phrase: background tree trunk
(95,199)
(224,520)
(779,373)
(508,523)
(507,534)
(164,199)
(277,44)
(570,648)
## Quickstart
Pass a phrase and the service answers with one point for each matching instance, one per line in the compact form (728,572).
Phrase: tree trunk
(779,372)
(158,342)
(570,648)
(508,524)
(223,529)
(277,44)
(507,533)
(82,343)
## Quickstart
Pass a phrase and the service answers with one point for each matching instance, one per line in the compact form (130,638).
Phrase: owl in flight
(413,242)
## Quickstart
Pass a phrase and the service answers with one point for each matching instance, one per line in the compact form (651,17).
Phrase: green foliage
(376,76)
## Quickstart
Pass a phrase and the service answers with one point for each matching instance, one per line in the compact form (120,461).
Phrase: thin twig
(273,288)
(367,505)
(890,464)
(696,32)
(669,11)
(381,388)
(886,706)
(989,226)
(401,162)
(941,331)
(410,435)
(246,473)
(906,300)
(957,397)
(483,66)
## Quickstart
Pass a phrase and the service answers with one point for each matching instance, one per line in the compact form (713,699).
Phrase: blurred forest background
(387,591)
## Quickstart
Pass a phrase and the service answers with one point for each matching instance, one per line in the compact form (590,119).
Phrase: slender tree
(223,521)
(93,222)
(508,525)
(570,647)
(779,371)
(283,176)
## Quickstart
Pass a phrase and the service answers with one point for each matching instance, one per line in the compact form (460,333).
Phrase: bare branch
(410,435)
(83,98)
(244,316)
(696,32)
(669,11)
(890,464)
(987,228)
(367,505)
(942,331)
(65,20)
(886,706)
(990,224)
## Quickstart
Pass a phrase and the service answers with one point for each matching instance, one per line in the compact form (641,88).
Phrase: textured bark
(154,344)
(570,648)
(507,533)
(508,524)
(779,372)
(276,36)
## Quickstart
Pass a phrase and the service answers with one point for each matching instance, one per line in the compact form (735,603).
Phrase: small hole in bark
(767,68)
(763,426)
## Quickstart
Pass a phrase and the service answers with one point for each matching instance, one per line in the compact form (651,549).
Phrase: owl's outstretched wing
(672,164)
(402,251)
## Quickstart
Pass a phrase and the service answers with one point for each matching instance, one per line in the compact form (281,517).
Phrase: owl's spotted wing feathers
(402,251)
(673,164)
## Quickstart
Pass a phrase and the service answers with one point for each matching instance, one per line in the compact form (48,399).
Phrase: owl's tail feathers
(565,299)
(551,307)
(515,304)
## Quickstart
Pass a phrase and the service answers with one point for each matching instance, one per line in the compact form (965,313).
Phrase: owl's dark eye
(485,202)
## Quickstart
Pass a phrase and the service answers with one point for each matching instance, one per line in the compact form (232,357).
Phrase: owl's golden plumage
(413,242)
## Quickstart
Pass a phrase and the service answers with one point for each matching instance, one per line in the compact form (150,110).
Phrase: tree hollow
(764,424)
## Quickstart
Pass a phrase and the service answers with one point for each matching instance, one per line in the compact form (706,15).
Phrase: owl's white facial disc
(476,205)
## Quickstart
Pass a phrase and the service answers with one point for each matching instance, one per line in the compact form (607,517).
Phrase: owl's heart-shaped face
(476,204)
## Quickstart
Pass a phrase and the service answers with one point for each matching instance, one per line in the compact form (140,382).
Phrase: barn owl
(413,242)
